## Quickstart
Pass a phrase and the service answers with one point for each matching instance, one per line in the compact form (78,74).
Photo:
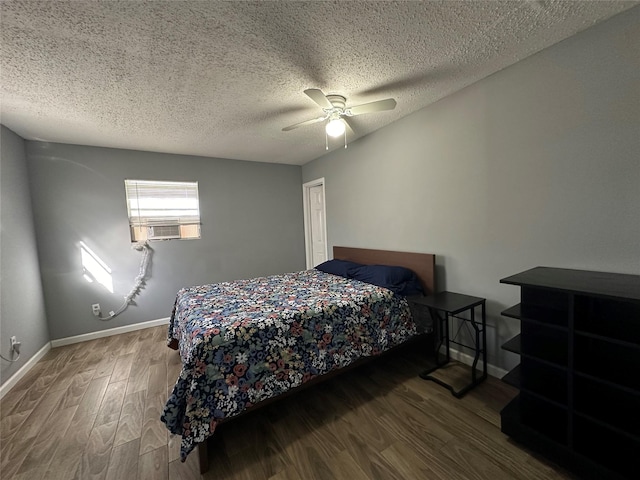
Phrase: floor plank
(123,464)
(122,367)
(154,433)
(111,406)
(68,455)
(131,417)
(32,425)
(154,465)
(95,458)
(77,388)
(344,467)
(44,446)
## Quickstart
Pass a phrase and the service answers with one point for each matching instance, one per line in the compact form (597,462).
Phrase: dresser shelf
(579,348)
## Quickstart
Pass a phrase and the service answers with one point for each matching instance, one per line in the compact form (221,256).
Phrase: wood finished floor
(91,411)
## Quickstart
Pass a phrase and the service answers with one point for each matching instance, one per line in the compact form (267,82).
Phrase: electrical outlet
(96,309)
(15,345)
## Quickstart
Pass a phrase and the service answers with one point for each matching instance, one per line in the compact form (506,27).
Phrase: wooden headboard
(423,264)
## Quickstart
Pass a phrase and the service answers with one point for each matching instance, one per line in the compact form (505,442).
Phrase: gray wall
(252,225)
(535,165)
(22,310)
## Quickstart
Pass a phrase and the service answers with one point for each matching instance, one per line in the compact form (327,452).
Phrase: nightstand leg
(477,346)
(446,329)
(484,341)
(480,347)
(441,325)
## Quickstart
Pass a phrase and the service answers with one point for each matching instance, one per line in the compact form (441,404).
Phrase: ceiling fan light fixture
(335,127)
(334,108)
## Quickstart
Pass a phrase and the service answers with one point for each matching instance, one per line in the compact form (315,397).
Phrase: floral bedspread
(246,341)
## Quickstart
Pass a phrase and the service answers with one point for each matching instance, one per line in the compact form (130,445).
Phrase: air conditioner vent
(163,232)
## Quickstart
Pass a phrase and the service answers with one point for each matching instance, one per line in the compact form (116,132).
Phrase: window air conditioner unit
(163,232)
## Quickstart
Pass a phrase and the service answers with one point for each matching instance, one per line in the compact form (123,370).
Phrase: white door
(315,223)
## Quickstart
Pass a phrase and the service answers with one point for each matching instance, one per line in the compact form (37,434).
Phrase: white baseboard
(16,377)
(468,360)
(109,332)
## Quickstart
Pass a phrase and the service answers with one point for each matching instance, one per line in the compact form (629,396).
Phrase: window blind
(160,203)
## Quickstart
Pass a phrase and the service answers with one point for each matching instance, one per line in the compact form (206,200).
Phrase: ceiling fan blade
(350,131)
(378,106)
(306,122)
(317,96)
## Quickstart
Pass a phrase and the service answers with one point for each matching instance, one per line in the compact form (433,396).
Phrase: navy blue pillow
(338,267)
(400,280)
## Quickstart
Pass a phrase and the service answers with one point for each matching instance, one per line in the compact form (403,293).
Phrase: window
(162,210)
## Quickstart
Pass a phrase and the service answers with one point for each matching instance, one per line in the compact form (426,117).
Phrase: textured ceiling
(222,79)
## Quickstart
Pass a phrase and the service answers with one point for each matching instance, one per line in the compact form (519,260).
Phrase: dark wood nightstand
(442,307)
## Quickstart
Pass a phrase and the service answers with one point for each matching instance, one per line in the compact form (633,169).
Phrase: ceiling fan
(335,111)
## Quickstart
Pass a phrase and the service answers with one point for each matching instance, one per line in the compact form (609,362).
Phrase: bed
(246,343)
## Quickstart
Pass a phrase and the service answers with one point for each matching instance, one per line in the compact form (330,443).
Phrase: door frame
(306,189)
